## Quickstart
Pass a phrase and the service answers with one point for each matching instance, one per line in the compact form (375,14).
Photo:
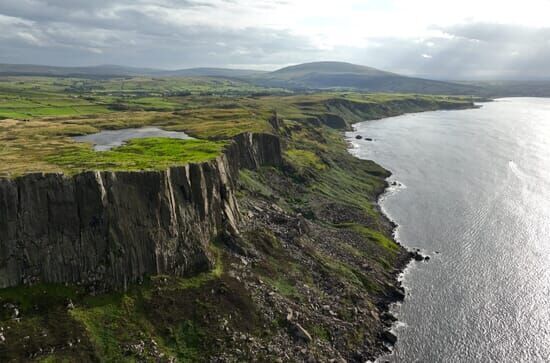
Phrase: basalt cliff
(110,229)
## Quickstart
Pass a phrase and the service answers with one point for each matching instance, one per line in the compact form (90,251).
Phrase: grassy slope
(207,315)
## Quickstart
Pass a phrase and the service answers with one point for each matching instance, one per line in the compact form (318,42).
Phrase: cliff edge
(109,229)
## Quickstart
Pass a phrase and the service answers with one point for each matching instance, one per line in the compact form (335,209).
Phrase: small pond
(108,139)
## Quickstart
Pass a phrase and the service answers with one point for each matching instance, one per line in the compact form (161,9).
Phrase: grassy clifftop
(137,154)
(32,141)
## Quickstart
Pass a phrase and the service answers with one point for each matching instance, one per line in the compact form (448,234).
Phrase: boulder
(389,337)
(417,256)
(387,316)
(300,333)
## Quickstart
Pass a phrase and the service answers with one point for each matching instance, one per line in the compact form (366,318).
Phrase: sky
(466,39)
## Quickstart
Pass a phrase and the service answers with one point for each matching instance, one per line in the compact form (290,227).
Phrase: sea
(472,192)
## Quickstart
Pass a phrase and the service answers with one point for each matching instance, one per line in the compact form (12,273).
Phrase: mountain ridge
(342,75)
(330,66)
(324,75)
(117,70)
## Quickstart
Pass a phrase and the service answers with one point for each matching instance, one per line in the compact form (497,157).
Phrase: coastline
(389,338)
(449,190)
(313,271)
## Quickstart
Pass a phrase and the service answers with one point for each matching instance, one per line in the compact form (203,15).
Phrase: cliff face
(109,229)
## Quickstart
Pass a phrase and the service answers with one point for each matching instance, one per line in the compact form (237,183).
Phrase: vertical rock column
(110,229)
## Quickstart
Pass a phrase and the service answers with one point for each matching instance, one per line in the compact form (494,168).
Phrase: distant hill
(211,72)
(307,76)
(117,71)
(327,75)
(94,71)
(305,70)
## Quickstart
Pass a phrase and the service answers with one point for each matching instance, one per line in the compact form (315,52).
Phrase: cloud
(467,51)
(498,33)
(486,50)
(268,34)
(159,33)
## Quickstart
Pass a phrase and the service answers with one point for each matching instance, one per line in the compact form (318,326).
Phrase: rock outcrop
(109,229)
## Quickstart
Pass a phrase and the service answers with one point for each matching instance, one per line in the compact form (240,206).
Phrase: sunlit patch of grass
(373,235)
(138,154)
(305,159)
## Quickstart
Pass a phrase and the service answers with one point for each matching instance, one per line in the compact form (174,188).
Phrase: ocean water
(108,139)
(475,196)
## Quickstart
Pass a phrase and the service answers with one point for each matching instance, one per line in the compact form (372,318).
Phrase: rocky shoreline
(388,338)
(414,255)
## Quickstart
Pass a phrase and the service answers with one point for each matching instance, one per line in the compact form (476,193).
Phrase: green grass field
(38,116)
(138,154)
(28,97)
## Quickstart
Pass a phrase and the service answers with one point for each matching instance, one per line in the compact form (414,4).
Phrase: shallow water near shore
(108,139)
(476,198)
